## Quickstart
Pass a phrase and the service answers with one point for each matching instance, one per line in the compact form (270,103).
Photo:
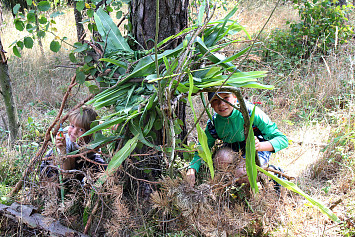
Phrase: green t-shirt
(231,129)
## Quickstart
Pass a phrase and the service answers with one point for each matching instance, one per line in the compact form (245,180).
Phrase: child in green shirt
(228,126)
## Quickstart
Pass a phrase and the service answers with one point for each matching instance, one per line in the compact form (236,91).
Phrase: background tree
(6,92)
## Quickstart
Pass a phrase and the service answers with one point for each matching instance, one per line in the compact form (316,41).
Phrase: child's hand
(257,144)
(263,146)
(190,177)
(60,143)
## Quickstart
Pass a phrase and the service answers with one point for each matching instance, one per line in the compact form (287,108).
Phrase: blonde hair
(83,117)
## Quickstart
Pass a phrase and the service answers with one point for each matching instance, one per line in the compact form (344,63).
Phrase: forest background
(312,103)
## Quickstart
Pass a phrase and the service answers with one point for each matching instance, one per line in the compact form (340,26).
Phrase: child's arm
(263,146)
(275,138)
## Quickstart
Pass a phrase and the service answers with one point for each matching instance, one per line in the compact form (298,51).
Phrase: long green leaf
(256,85)
(203,150)
(110,123)
(137,131)
(105,125)
(250,156)
(115,62)
(201,13)
(291,186)
(146,65)
(235,56)
(108,30)
(212,57)
(117,160)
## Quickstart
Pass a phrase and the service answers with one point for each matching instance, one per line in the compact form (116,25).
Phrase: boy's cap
(211,94)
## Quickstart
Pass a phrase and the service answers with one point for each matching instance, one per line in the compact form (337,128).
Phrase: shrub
(323,25)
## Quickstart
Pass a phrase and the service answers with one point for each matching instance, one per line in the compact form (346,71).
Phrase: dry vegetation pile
(313,104)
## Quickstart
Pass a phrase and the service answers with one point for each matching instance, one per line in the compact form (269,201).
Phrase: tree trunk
(173,19)
(79,26)
(6,92)
(9,4)
(39,38)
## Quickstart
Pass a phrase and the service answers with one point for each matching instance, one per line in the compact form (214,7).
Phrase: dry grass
(322,87)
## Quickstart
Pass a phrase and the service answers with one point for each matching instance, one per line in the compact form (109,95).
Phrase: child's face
(75,132)
(222,108)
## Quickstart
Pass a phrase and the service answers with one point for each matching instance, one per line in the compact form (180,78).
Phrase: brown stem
(94,210)
(279,173)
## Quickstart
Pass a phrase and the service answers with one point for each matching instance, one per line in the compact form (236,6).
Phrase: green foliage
(203,149)
(11,167)
(36,23)
(291,186)
(143,98)
(33,129)
(250,156)
(323,25)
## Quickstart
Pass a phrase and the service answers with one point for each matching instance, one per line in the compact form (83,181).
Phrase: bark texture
(173,19)
(79,26)
(6,92)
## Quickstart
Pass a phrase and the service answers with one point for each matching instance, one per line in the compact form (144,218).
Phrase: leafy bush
(323,25)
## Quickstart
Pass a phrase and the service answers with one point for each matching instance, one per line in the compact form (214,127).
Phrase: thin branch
(40,153)
(143,180)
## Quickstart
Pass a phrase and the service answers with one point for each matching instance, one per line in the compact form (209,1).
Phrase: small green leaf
(80,77)
(109,9)
(30,28)
(28,41)
(55,14)
(55,46)
(16,52)
(19,25)
(72,58)
(20,44)
(31,17)
(16,8)
(94,89)
(87,59)
(43,6)
(41,34)
(80,5)
(90,13)
(115,62)
(42,20)
(80,47)
(118,14)
(29,2)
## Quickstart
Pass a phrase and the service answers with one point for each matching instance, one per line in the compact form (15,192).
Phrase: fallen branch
(27,215)
(279,173)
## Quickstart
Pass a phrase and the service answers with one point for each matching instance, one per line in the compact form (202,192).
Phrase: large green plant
(134,84)
(141,105)
(322,26)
